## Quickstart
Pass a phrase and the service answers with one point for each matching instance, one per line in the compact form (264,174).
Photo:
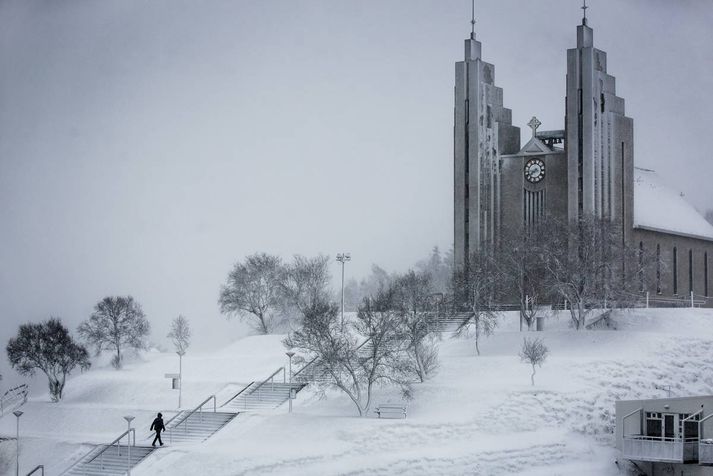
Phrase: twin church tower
(585,169)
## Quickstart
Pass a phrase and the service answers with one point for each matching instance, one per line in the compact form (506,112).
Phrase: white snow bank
(658,207)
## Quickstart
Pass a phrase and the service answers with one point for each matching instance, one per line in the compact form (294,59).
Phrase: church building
(585,169)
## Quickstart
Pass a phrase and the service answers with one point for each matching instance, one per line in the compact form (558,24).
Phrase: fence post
(691,298)
(647,299)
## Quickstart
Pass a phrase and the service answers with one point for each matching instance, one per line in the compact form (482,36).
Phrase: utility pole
(343,258)
(18,414)
(180,353)
(290,354)
(128,419)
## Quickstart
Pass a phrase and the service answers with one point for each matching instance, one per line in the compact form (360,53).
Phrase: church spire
(584,9)
(472,20)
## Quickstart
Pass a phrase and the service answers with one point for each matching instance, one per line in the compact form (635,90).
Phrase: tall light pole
(343,258)
(180,353)
(290,354)
(18,414)
(128,419)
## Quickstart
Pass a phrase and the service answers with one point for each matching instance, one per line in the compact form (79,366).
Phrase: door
(669,427)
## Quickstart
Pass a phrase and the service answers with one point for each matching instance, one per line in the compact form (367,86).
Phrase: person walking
(158,427)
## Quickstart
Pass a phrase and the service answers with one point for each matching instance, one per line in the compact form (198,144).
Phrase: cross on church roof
(472,19)
(584,9)
(534,124)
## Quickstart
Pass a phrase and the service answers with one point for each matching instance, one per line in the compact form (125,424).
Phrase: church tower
(599,137)
(482,132)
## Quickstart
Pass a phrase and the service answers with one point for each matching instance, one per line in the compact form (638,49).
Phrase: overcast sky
(145,146)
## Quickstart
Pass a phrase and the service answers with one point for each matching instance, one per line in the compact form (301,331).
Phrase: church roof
(658,207)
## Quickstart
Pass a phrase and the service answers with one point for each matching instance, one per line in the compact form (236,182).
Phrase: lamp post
(128,419)
(290,354)
(343,258)
(180,353)
(18,414)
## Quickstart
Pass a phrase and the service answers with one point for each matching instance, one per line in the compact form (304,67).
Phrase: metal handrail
(127,433)
(184,420)
(39,467)
(661,438)
(314,360)
(304,367)
(237,394)
(196,409)
(270,378)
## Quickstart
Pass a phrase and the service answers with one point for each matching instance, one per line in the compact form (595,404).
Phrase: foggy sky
(145,146)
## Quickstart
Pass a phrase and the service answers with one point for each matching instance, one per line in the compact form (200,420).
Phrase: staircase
(112,459)
(449,323)
(194,427)
(265,395)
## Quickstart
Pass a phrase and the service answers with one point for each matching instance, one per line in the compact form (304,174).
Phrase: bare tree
(358,357)
(254,291)
(475,289)
(533,352)
(180,334)
(47,346)
(116,323)
(590,263)
(413,297)
(306,281)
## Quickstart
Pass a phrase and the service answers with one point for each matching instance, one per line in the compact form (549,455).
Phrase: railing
(660,449)
(237,394)
(705,446)
(104,448)
(13,398)
(38,468)
(184,420)
(270,379)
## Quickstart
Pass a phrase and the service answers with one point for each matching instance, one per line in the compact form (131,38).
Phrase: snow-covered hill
(478,415)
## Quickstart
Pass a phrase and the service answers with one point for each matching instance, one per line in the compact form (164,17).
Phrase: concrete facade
(587,169)
(482,131)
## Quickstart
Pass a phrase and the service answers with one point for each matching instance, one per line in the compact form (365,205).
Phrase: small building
(667,436)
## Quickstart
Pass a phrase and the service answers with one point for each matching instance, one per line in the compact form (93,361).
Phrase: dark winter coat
(157,425)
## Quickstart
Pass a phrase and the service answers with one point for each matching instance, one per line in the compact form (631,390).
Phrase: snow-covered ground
(478,415)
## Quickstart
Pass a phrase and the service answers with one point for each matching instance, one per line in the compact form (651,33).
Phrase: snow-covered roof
(660,208)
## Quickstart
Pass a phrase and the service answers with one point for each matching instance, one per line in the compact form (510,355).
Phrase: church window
(602,101)
(675,270)
(705,273)
(658,269)
(690,271)
(489,115)
(641,265)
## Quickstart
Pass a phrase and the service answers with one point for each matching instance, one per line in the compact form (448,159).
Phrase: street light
(18,414)
(290,354)
(180,353)
(128,419)
(343,258)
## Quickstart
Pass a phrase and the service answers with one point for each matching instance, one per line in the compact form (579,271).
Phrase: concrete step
(113,461)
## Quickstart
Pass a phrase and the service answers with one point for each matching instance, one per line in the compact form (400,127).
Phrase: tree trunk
(532,377)
(263,325)
(477,335)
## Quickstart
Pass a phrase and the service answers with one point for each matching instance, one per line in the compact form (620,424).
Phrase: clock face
(534,170)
